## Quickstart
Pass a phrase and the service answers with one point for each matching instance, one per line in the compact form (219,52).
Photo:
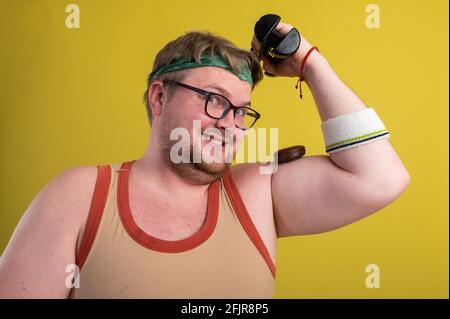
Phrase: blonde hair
(192,45)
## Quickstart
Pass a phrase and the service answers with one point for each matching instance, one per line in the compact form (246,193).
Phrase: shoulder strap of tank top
(95,213)
(244,218)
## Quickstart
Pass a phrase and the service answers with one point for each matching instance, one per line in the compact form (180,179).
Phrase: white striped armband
(352,130)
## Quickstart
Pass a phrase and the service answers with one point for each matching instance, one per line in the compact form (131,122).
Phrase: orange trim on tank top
(246,221)
(157,244)
(95,213)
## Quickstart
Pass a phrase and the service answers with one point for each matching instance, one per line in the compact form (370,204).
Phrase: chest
(167,218)
(170,218)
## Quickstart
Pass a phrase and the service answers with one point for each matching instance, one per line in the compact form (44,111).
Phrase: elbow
(379,194)
(396,185)
(402,182)
(406,179)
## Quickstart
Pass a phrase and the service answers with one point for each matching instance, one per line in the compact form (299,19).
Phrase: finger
(284,28)
(256,45)
(267,65)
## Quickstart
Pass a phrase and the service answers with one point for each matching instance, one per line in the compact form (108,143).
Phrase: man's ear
(155,97)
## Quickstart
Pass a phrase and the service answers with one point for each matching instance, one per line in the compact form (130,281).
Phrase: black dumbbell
(274,45)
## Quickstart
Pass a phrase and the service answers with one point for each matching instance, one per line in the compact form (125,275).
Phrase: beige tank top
(226,258)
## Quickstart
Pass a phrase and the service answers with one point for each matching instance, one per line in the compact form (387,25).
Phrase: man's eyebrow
(226,93)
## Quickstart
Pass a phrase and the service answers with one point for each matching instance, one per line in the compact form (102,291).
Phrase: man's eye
(214,99)
(241,112)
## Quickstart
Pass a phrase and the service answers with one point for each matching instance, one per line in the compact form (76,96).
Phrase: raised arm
(320,193)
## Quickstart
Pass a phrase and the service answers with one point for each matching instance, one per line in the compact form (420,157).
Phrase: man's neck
(152,173)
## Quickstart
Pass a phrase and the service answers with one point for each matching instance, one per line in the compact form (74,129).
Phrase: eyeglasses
(218,106)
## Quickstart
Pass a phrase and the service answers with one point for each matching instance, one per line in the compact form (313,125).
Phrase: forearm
(332,96)
(376,161)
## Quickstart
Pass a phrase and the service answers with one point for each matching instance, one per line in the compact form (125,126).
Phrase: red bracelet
(300,80)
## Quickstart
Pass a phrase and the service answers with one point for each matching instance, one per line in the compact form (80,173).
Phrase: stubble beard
(194,173)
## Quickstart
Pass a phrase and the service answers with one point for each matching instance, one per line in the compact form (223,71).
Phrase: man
(157,227)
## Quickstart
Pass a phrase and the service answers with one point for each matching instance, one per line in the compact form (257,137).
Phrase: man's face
(186,106)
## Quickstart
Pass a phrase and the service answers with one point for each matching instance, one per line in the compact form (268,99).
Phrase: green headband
(206,60)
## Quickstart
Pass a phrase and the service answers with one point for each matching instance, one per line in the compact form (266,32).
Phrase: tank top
(225,258)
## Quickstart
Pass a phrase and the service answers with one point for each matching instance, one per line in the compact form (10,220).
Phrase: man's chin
(212,168)
(200,173)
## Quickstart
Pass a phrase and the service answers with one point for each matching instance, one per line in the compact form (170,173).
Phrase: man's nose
(227,121)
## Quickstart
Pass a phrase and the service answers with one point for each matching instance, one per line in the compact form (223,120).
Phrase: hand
(291,66)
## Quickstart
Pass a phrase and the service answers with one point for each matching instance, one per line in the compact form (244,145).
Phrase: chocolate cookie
(289,154)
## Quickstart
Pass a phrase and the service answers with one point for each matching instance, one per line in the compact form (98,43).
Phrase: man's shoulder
(76,179)
(43,241)
(252,184)
(71,191)
(250,174)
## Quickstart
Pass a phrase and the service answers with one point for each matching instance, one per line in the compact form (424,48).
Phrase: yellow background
(72,97)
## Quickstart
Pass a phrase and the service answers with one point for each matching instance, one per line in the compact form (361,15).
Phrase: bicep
(43,244)
(314,195)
